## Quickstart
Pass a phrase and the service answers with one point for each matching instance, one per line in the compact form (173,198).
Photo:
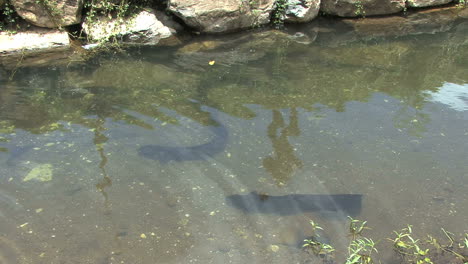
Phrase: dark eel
(347,204)
(165,154)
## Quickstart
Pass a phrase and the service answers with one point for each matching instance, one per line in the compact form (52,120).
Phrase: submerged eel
(165,154)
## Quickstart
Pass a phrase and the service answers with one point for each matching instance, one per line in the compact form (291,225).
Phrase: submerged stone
(42,173)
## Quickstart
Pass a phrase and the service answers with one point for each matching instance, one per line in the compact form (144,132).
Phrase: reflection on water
(204,151)
(99,140)
(283,164)
(453,95)
(153,152)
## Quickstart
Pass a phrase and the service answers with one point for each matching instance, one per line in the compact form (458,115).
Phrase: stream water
(222,151)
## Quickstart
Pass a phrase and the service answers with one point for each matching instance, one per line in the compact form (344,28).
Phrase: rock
(41,173)
(301,10)
(428,21)
(39,58)
(302,38)
(222,16)
(274,248)
(148,27)
(33,40)
(58,13)
(357,8)
(425,3)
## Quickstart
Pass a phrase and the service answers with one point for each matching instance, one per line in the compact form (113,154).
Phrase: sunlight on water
(158,156)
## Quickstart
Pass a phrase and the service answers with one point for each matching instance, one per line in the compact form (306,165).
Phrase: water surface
(287,117)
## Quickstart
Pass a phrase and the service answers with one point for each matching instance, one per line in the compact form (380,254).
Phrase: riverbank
(38,41)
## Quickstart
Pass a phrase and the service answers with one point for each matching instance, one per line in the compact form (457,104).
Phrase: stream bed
(223,150)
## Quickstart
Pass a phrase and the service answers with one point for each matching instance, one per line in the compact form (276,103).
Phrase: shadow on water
(347,204)
(165,154)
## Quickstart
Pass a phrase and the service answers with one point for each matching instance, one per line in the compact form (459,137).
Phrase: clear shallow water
(381,118)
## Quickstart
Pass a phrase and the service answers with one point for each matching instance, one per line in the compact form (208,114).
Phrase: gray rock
(222,16)
(357,8)
(428,21)
(60,13)
(424,3)
(148,27)
(47,57)
(36,39)
(301,10)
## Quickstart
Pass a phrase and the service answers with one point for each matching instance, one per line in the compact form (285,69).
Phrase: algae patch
(41,173)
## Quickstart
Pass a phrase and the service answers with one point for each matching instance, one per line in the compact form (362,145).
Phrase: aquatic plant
(410,250)
(356,227)
(360,251)
(318,247)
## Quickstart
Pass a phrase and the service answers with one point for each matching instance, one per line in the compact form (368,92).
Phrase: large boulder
(50,14)
(301,11)
(36,39)
(222,16)
(424,3)
(148,27)
(357,8)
